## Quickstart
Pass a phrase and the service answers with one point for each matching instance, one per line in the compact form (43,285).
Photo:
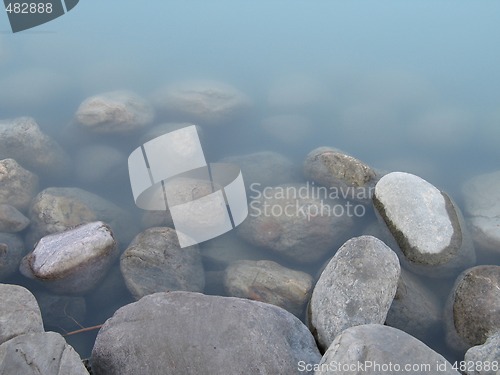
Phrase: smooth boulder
(11,219)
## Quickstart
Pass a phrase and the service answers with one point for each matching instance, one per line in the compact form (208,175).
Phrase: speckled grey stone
(485,356)
(154,262)
(12,250)
(18,186)
(11,220)
(356,287)
(191,333)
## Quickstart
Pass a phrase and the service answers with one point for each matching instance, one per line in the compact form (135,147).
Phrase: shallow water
(402,86)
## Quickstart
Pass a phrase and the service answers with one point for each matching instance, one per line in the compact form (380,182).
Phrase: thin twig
(86,329)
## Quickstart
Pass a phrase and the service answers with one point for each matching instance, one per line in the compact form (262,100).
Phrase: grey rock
(357,287)
(278,170)
(269,282)
(114,112)
(61,312)
(19,312)
(21,139)
(74,261)
(485,356)
(426,224)
(415,309)
(154,262)
(205,102)
(293,221)
(55,210)
(473,307)
(18,186)
(99,164)
(40,353)
(191,333)
(482,207)
(11,220)
(377,349)
(289,129)
(12,251)
(339,171)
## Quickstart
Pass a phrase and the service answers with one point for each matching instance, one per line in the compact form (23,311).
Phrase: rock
(482,206)
(357,287)
(100,164)
(377,349)
(191,333)
(350,177)
(55,210)
(40,353)
(19,313)
(12,251)
(279,169)
(473,307)
(74,261)
(61,312)
(426,224)
(289,129)
(269,282)
(18,186)
(11,220)
(205,102)
(295,221)
(484,358)
(22,140)
(114,112)
(414,309)
(154,262)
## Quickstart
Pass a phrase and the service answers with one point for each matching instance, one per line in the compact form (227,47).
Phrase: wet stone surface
(18,186)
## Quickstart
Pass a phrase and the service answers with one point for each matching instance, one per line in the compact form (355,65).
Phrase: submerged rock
(12,251)
(191,333)
(356,287)
(11,220)
(376,349)
(21,139)
(18,186)
(114,112)
(426,224)
(204,102)
(269,282)
(482,206)
(154,262)
(74,261)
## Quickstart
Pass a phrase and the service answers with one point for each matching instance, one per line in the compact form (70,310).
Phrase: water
(400,85)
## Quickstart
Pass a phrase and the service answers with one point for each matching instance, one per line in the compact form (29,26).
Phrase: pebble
(114,112)
(18,186)
(154,262)
(357,287)
(11,220)
(269,282)
(426,224)
(191,333)
(72,262)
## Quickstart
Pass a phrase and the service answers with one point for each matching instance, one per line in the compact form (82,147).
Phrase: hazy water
(400,85)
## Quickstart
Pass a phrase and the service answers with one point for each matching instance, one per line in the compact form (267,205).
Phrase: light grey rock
(340,172)
(294,221)
(99,164)
(377,349)
(269,282)
(289,129)
(18,186)
(357,287)
(482,208)
(426,224)
(55,210)
(72,262)
(485,358)
(22,140)
(415,309)
(191,333)
(114,112)
(40,353)
(278,170)
(11,220)
(154,262)
(473,307)
(61,312)
(12,251)
(19,312)
(203,102)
